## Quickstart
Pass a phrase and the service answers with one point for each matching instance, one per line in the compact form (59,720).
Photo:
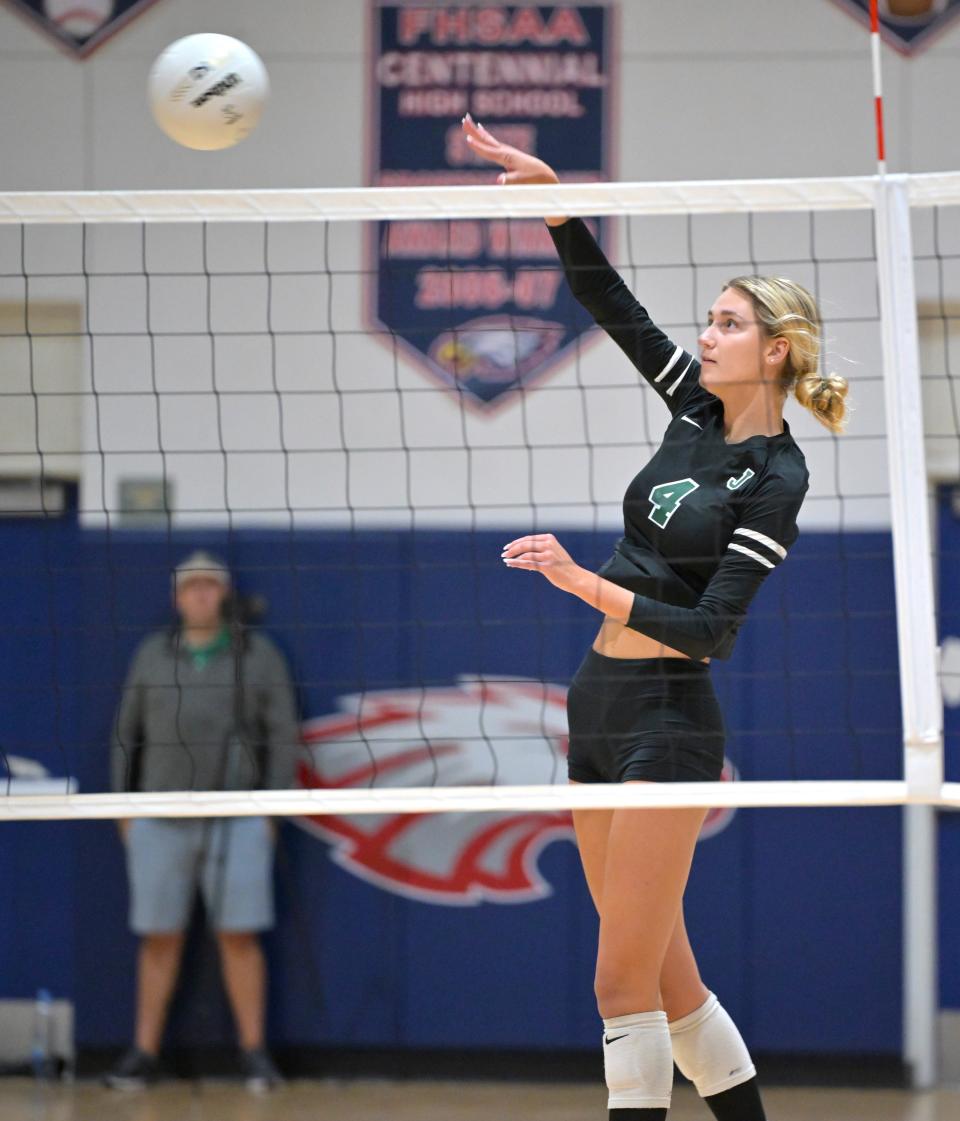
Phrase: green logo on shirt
(733,484)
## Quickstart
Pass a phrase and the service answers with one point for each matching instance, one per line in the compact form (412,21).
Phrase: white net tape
(468,799)
(706,197)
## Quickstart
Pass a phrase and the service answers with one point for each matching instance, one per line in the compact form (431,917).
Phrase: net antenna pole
(877,86)
(920,699)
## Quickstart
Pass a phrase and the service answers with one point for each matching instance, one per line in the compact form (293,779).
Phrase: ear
(777,349)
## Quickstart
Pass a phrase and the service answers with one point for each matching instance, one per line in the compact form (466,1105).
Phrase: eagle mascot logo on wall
(476,733)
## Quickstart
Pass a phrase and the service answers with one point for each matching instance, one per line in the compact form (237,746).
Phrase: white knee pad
(637,1061)
(709,1050)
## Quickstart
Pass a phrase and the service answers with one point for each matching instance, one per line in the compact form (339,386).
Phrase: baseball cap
(201,564)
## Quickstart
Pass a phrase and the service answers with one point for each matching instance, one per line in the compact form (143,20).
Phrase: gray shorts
(230,859)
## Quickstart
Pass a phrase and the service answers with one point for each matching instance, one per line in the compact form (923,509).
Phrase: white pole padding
(920,697)
(921,996)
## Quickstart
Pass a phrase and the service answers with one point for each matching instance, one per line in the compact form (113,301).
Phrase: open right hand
(518,167)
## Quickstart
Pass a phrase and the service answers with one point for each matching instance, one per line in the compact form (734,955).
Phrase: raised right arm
(671,371)
(596,284)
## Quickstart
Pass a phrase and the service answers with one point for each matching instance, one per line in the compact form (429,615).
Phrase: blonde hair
(787,310)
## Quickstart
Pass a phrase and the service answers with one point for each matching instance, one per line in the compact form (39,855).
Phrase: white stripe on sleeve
(679,379)
(750,553)
(669,366)
(763,540)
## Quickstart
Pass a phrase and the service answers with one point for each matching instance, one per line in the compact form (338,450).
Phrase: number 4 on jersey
(667,497)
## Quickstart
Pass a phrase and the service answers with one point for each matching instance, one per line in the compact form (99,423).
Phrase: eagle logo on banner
(479,732)
(907,25)
(80,26)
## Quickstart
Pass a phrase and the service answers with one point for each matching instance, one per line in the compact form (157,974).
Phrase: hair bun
(825,396)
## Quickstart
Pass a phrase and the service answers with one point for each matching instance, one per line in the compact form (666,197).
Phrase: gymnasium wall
(754,88)
(274,398)
(262,428)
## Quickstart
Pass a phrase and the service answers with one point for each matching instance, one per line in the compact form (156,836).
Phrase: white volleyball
(208,91)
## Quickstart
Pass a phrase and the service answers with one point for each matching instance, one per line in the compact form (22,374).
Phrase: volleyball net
(355,397)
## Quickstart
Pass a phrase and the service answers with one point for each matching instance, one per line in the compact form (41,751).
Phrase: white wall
(748,88)
(275,426)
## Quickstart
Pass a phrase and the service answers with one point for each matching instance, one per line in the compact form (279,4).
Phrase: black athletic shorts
(651,719)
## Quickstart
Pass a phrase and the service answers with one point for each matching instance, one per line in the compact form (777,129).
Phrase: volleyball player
(706,520)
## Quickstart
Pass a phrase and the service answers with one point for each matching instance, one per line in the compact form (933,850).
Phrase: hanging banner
(80,26)
(481,305)
(907,25)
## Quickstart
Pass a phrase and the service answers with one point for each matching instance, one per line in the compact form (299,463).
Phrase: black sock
(739,1103)
(638,1115)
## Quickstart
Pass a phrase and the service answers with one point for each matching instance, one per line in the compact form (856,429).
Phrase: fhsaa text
(491,26)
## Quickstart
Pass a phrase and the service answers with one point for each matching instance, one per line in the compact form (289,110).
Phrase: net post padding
(913,573)
(467,799)
(921,703)
(442,202)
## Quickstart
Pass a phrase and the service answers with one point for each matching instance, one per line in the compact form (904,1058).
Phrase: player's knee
(619,989)
(709,1050)
(637,1061)
(237,941)
(162,943)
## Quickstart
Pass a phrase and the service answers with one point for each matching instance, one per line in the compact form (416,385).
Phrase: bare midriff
(617,640)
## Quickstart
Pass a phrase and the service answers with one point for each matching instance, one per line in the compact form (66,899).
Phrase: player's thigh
(649,853)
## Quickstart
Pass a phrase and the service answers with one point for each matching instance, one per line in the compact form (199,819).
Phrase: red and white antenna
(877,85)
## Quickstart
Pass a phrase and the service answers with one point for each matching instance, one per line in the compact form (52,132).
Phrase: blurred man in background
(206,706)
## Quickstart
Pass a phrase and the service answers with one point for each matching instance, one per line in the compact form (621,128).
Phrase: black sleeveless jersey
(704,521)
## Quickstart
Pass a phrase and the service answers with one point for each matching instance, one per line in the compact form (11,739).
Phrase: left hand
(542,552)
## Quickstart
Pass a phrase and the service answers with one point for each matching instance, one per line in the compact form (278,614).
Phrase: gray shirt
(177,724)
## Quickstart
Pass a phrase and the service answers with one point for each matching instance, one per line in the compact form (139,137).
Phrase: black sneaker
(135,1071)
(259,1072)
